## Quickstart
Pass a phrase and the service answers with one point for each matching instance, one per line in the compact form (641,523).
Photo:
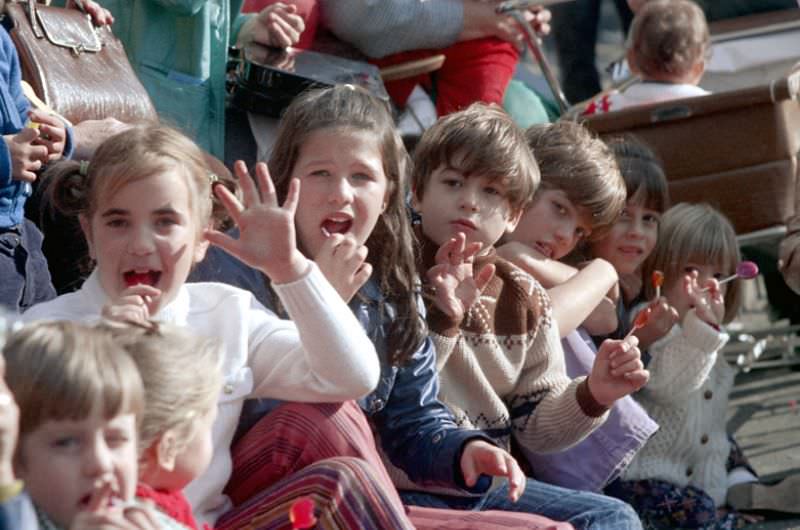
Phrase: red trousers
(474,70)
(295,436)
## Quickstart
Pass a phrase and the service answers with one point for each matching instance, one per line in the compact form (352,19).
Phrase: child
(498,353)
(79,398)
(182,380)
(30,140)
(685,473)
(342,145)
(633,236)
(667,47)
(581,195)
(144,205)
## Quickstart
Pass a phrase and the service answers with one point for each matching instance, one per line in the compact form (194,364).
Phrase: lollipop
(301,513)
(658,281)
(746,270)
(639,322)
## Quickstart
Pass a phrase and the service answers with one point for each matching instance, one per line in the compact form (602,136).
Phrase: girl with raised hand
(145,206)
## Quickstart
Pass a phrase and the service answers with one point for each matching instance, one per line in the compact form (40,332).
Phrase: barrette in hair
(214,178)
(84,168)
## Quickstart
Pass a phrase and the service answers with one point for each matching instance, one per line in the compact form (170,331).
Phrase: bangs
(77,365)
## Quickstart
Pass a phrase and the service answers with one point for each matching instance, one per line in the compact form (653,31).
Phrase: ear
(513,220)
(414,200)
(698,69)
(630,57)
(201,247)
(86,227)
(166,449)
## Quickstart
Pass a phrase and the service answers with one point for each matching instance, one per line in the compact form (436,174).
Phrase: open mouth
(336,226)
(544,249)
(149,277)
(630,251)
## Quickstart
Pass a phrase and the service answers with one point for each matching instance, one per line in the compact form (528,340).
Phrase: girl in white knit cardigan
(681,477)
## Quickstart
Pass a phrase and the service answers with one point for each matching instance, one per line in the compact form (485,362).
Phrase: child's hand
(706,299)
(631,285)
(482,458)
(52,133)
(660,320)
(617,371)
(9,428)
(135,304)
(276,25)
(266,229)
(455,286)
(342,261)
(26,157)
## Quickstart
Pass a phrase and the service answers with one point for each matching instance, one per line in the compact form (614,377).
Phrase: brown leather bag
(79,70)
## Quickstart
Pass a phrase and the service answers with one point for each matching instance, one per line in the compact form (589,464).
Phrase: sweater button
(437,438)
(228,388)
(689,472)
(704,439)
(708,394)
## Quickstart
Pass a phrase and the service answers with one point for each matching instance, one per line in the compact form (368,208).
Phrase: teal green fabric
(720,9)
(526,107)
(179,49)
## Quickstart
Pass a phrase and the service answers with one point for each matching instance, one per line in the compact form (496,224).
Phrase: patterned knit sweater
(502,368)
(688,396)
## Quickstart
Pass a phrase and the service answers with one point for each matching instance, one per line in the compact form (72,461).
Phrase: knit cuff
(702,335)
(442,323)
(589,405)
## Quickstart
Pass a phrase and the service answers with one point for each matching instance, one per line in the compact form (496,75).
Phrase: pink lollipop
(746,270)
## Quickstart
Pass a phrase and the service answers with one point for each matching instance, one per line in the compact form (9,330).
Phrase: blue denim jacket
(416,430)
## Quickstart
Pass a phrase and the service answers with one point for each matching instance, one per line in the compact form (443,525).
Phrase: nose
(141,242)
(636,229)
(565,232)
(341,191)
(97,459)
(468,199)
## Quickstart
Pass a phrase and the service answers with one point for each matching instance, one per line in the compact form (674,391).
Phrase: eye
(366,177)
(66,443)
(116,223)
(625,214)
(492,190)
(559,208)
(117,439)
(166,222)
(451,182)
(690,269)
(718,275)
(651,219)
(320,173)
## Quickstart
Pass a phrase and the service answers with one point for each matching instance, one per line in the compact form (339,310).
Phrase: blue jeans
(24,277)
(582,509)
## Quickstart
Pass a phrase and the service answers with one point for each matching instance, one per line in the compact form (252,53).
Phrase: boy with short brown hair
(498,352)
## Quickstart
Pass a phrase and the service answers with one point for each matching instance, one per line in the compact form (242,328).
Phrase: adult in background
(179,49)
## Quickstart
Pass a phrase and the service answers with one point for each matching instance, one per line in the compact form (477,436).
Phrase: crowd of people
(465,336)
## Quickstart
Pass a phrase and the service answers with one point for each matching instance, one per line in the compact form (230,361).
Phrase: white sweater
(687,395)
(643,93)
(321,355)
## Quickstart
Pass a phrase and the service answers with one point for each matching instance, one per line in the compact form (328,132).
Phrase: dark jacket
(417,432)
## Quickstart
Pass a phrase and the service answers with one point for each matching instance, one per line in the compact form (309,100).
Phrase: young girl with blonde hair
(182,379)
(145,206)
